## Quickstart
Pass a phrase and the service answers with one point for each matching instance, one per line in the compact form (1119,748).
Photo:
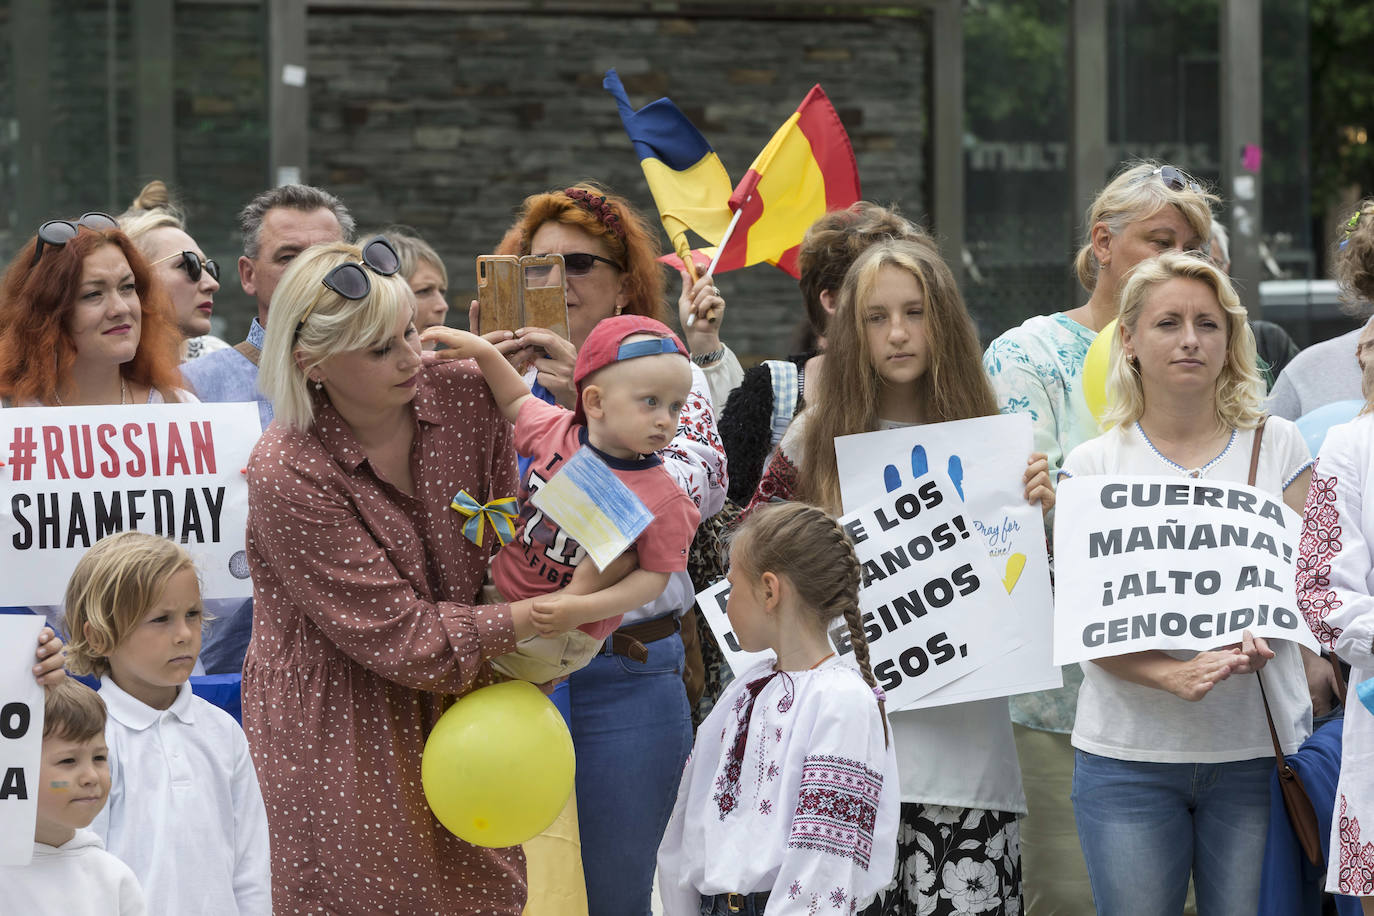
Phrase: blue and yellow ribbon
(499,513)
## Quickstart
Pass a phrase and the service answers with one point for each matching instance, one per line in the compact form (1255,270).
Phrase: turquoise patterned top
(1035,369)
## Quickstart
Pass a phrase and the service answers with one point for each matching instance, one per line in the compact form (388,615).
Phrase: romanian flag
(689,184)
(804,172)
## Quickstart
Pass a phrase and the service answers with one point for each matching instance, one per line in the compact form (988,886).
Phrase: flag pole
(720,249)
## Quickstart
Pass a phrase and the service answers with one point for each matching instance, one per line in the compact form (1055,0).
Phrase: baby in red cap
(632,377)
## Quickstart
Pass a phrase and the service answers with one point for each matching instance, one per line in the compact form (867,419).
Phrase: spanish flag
(804,172)
(689,184)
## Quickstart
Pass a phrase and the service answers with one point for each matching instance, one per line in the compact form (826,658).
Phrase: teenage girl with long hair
(789,800)
(903,351)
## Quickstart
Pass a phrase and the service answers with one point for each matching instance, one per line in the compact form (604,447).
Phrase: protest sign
(21,736)
(1170,563)
(73,475)
(985,458)
(930,601)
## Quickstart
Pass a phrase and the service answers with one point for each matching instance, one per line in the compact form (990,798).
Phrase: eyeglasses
(575,264)
(1175,179)
(193,265)
(58,232)
(351,280)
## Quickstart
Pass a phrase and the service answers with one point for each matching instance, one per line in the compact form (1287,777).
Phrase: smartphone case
(523,292)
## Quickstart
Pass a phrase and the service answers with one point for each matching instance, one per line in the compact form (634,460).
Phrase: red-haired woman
(630,718)
(83,322)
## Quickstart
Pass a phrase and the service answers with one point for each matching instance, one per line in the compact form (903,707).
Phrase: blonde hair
(1354,255)
(414,251)
(1137,193)
(334,325)
(954,387)
(114,584)
(1239,391)
(72,712)
(153,208)
(809,548)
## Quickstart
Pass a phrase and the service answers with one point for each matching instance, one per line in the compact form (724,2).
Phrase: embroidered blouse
(790,790)
(364,629)
(1336,594)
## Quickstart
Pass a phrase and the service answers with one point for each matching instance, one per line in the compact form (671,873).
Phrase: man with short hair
(277,225)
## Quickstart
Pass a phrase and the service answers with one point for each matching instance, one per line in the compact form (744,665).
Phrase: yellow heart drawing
(1015,563)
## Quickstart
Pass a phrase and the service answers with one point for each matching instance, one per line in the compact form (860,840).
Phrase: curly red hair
(36,351)
(631,242)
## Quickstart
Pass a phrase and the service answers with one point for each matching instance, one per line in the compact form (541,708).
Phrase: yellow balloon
(498,767)
(1095,366)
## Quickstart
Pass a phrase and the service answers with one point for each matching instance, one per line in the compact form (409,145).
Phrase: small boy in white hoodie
(71,873)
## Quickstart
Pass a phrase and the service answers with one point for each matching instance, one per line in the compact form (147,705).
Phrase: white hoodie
(78,878)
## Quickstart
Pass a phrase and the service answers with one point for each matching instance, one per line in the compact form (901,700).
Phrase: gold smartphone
(523,292)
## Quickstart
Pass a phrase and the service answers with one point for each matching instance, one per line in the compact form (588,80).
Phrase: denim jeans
(632,730)
(1145,827)
(719,905)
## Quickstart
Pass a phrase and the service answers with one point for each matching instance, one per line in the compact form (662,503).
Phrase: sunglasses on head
(1175,179)
(575,264)
(58,232)
(351,280)
(193,265)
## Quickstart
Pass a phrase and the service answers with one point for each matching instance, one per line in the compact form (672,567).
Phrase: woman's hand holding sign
(1190,679)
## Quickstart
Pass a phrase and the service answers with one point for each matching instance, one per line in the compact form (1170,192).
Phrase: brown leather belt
(629,641)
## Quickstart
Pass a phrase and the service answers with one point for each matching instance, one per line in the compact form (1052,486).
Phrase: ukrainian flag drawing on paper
(592,505)
(688,181)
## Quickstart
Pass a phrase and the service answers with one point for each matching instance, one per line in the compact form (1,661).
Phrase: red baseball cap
(603,347)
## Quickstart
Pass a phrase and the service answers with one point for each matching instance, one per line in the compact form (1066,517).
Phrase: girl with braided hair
(902,350)
(789,800)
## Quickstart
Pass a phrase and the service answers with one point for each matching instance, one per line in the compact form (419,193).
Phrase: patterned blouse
(1037,369)
(363,633)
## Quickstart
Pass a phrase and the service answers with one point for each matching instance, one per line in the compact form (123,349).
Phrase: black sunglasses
(1175,179)
(351,281)
(575,264)
(58,232)
(193,265)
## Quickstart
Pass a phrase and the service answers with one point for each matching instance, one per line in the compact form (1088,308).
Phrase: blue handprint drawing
(892,478)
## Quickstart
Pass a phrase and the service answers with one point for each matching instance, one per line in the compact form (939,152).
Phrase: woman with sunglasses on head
(1173,755)
(631,723)
(83,322)
(1036,368)
(190,278)
(366,619)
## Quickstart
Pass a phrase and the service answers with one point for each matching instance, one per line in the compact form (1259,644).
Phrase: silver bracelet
(707,359)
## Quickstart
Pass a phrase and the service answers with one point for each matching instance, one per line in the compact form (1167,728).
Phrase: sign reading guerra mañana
(73,475)
(1159,563)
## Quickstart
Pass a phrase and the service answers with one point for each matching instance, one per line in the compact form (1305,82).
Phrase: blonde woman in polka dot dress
(364,626)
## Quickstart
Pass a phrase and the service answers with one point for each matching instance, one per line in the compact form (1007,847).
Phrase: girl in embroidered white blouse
(789,800)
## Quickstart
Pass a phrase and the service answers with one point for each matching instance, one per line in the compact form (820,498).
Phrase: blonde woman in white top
(1173,756)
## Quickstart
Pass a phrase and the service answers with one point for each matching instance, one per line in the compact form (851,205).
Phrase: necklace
(824,659)
(123,394)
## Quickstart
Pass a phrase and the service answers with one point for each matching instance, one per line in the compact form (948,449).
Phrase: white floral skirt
(954,860)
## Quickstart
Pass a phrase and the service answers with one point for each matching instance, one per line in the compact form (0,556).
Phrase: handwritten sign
(73,475)
(21,736)
(593,506)
(931,604)
(985,458)
(1164,563)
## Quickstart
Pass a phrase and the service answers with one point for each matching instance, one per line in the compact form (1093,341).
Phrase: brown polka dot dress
(363,632)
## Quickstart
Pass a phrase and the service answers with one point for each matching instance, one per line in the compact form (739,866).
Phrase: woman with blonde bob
(1036,368)
(366,620)
(1173,755)
(903,351)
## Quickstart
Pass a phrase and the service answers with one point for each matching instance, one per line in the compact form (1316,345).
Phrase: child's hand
(452,343)
(556,614)
(587,579)
(51,655)
(1037,479)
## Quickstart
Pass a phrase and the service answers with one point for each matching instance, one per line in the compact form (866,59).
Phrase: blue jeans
(1145,827)
(632,730)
